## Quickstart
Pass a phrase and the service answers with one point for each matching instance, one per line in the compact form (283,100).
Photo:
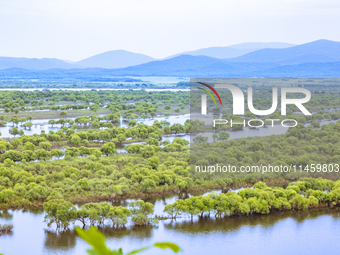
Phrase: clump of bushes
(6,229)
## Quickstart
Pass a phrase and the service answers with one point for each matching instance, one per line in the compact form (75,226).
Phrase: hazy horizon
(74,29)
(182,52)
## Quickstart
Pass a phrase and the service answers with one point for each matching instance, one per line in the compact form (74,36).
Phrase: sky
(76,29)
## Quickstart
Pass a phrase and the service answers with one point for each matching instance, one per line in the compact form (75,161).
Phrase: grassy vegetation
(304,194)
(80,103)
(83,83)
(53,114)
(300,146)
(62,213)
(147,169)
(93,171)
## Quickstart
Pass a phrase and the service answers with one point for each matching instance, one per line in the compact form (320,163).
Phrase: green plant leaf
(139,250)
(165,245)
(96,239)
(114,252)
(92,252)
(174,247)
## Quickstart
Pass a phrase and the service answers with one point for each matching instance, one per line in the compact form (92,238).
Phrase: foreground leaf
(96,239)
(139,250)
(165,245)
(174,247)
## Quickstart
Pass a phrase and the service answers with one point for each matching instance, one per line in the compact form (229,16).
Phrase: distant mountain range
(115,59)
(109,60)
(202,66)
(317,51)
(234,51)
(34,63)
(315,59)
(122,58)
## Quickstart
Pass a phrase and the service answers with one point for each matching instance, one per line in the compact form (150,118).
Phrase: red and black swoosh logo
(213,90)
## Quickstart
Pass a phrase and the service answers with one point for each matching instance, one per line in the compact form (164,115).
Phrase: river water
(313,232)
(42,124)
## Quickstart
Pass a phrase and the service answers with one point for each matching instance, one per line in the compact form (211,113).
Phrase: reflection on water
(237,222)
(34,211)
(6,215)
(312,232)
(61,241)
(309,232)
(140,233)
(172,119)
(42,124)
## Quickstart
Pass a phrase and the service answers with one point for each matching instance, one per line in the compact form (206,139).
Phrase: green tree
(45,145)
(6,195)
(147,151)
(153,162)
(118,215)
(74,140)
(121,138)
(28,125)
(36,193)
(42,154)
(52,122)
(200,139)
(94,107)
(29,146)
(108,149)
(142,212)
(177,128)
(147,185)
(104,136)
(14,131)
(15,120)
(223,136)
(57,153)
(60,212)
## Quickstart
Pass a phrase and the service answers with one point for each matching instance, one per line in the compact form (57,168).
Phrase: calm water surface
(42,124)
(314,232)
